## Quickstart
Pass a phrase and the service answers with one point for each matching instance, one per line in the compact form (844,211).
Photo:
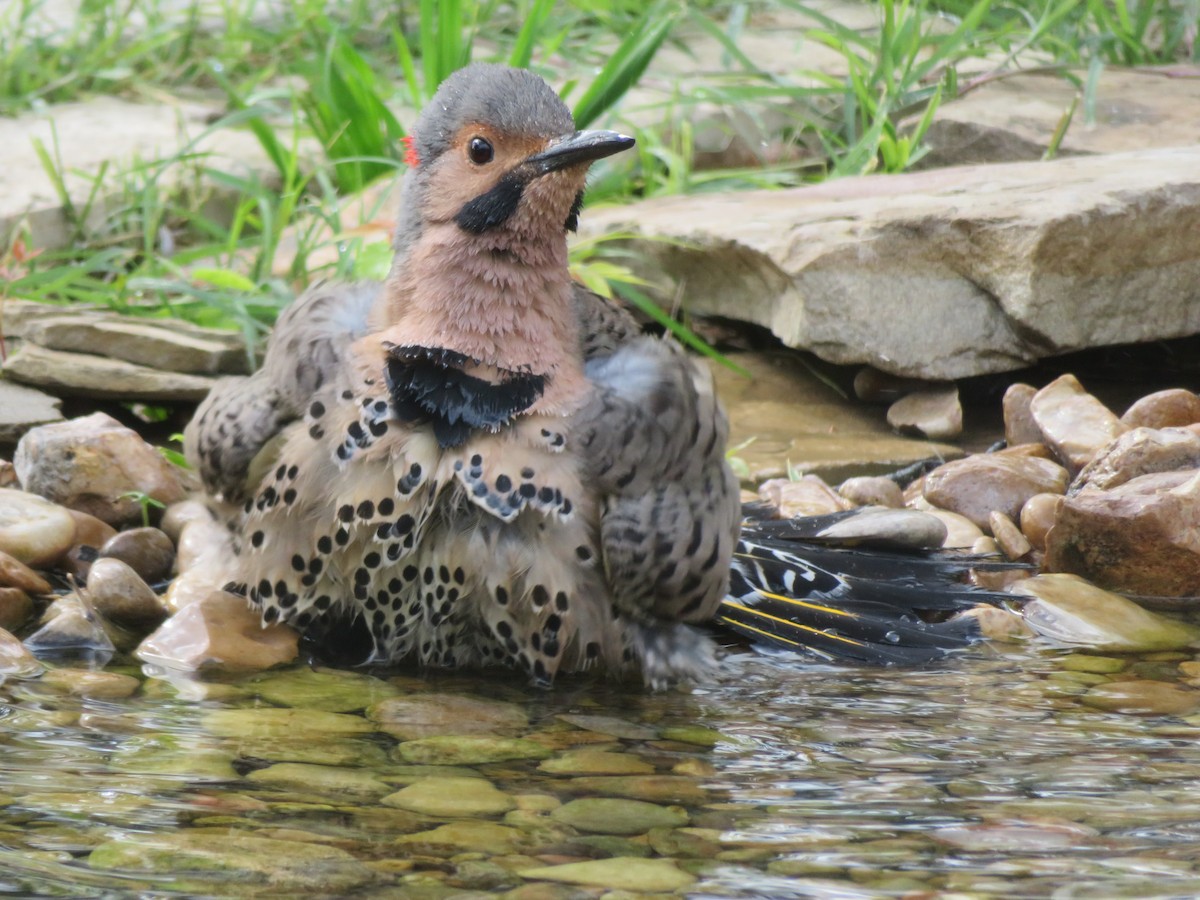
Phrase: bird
(478,462)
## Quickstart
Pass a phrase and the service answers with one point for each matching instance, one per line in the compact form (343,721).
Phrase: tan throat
(495,298)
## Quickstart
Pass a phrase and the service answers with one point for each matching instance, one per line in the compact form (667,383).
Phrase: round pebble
(118,593)
(147,551)
(32,530)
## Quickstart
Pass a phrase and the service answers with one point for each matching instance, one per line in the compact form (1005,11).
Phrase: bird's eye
(480,151)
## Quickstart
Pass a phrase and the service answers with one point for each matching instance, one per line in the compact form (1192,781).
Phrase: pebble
(961,532)
(1038,516)
(322,779)
(1069,610)
(603,815)
(429,715)
(596,762)
(93,464)
(15,608)
(178,515)
(468,750)
(147,551)
(1147,698)
(1015,837)
(872,490)
(193,586)
(673,789)
(91,684)
(612,726)
(15,574)
(452,797)
(935,413)
(1009,538)
(619,873)
(15,659)
(1174,407)
(33,530)
(332,691)
(202,543)
(979,485)
(1074,424)
(887,529)
(806,496)
(219,632)
(90,535)
(475,836)
(290,724)
(117,593)
(1019,426)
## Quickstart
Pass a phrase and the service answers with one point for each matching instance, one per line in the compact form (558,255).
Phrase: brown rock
(90,531)
(93,464)
(961,532)
(147,551)
(1141,537)
(807,496)
(220,632)
(1073,423)
(935,413)
(1141,451)
(1041,451)
(15,574)
(872,490)
(1038,516)
(15,658)
(978,485)
(1143,698)
(118,593)
(8,474)
(1164,409)
(1008,537)
(15,608)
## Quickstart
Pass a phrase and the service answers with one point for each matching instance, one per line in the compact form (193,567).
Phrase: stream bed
(989,774)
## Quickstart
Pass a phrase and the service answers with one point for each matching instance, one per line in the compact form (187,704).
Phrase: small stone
(612,726)
(90,535)
(1144,698)
(15,574)
(147,551)
(33,530)
(15,659)
(1141,537)
(476,837)
(93,685)
(332,691)
(1098,665)
(1038,516)
(697,735)
(887,529)
(934,413)
(451,797)
(673,789)
(172,754)
(16,608)
(619,873)
(872,490)
(219,632)
(1140,451)
(978,485)
(688,843)
(118,594)
(288,724)
(1015,837)
(429,715)
(996,624)
(1074,424)
(1019,426)
(1068,610)
(335,780)
(617,816)
(178,515)
(807,496)
(873,386)
(596,762)
(1163,409)
(95,464)
(193,586)
(468,750)
(1008,537)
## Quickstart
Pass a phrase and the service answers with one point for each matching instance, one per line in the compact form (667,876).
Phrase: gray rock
(22,408)
(946,273)
(86,375)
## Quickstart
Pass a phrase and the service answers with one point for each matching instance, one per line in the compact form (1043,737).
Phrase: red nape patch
(410,154)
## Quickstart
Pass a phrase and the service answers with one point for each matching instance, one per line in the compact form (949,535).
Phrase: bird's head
(496,151)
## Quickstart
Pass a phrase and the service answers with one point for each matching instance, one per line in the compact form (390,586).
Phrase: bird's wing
(240,417)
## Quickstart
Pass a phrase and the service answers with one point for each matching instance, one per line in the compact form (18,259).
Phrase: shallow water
(985,775)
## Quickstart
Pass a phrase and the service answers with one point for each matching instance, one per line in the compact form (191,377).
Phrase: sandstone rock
(33,530)
(1068,610)
(1163,409)
(15,609)
(91,464)
(87,375)
(147,551)
(117,592)
(946,273)
(807,496)
(1142,451)
(872,490)
(1019,426)
(15,574)
(219,632)
(935,413)
(170,347)
(1038,516)
(22,408)
(1141,537)
(978,485)
(1074,424)
(1008,537)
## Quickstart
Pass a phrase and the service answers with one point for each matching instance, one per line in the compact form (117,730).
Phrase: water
(985,776)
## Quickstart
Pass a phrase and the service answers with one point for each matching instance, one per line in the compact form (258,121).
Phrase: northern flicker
(480,460)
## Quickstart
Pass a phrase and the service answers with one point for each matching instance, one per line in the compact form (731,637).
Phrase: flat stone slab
(22,408)
(946,273)
(86,375)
